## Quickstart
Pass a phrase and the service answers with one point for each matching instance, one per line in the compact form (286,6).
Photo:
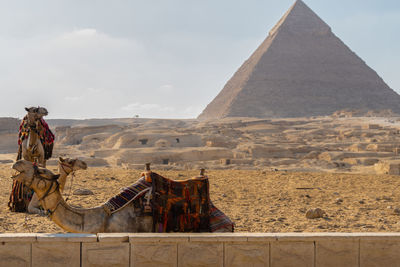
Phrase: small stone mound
(315,213)
(83,192)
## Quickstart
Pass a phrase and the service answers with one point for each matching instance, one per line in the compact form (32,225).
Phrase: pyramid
(301,69)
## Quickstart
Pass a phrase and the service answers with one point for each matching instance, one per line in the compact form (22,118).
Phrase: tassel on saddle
(19,197)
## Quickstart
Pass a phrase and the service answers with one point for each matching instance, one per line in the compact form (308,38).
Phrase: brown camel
(78,220)
(65,167)
(32,148)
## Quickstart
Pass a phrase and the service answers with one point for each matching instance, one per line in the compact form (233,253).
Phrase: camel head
(28,172)
(73,164)
(41,112)
(36,113)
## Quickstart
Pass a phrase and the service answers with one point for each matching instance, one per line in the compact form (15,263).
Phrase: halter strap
(66,165)
(53,180)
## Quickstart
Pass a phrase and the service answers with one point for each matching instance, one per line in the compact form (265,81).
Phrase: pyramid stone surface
(301,69)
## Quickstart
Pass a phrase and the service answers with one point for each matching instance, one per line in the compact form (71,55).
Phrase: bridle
(53,181)
(48,192)
(62,165)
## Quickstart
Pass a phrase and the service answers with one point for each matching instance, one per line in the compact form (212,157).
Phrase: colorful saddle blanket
(217,219)
(20,196)
(126,196)
(45,134)
(180,206)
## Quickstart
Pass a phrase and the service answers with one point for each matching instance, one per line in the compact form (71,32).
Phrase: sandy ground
(256,201)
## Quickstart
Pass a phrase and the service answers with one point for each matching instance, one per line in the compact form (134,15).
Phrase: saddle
(45,134)
(176,206)
(20,197)
(180,206)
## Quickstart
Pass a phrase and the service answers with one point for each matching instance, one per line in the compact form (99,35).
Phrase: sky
(160,58)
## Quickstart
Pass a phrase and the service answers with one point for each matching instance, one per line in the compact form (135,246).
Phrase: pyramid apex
(300,18)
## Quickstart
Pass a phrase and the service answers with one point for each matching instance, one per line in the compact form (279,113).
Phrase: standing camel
(35,144)
(65,167)
(30,141)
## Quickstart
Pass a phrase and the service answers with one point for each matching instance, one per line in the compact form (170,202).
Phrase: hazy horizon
(164,59)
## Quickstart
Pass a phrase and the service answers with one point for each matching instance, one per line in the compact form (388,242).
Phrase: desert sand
(257,201)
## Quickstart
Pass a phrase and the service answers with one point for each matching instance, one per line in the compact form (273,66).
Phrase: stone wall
(238,249)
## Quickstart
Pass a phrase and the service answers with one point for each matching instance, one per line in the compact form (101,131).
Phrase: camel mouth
(17,175)
(16,166)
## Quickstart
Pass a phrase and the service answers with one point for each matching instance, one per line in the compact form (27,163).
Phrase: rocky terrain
(337,143)
(257,201)
(266,174)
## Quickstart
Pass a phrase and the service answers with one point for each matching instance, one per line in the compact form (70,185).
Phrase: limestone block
(337,252)
(105,254)
(371,126)
(299,254)
(157,237)
(113,237)
(387,167)
(70,237)
(154,254)
(379,253)
(18,237)
(200,254)
(218,237)
(247,254)
(15,254)
(56,254)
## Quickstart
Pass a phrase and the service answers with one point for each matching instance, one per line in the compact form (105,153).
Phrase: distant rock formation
(9,125)
(301,69)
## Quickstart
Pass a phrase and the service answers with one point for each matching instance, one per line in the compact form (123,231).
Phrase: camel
(65,167)
(78,220)
(130,218)
(32,148)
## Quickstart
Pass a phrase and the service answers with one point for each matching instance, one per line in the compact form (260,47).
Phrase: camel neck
(62,170)
(75,220)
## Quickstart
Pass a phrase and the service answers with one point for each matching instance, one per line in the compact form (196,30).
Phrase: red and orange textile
(19,197)
(217,219)
(180,206)
(45,134)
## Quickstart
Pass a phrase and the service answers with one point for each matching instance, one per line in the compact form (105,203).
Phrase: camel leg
(34,205)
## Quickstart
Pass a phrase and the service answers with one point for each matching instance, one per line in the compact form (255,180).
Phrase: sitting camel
(129,218)
(78,220)
(65,167)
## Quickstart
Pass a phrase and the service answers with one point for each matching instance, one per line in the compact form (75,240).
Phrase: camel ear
(61,159)
(27,109)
